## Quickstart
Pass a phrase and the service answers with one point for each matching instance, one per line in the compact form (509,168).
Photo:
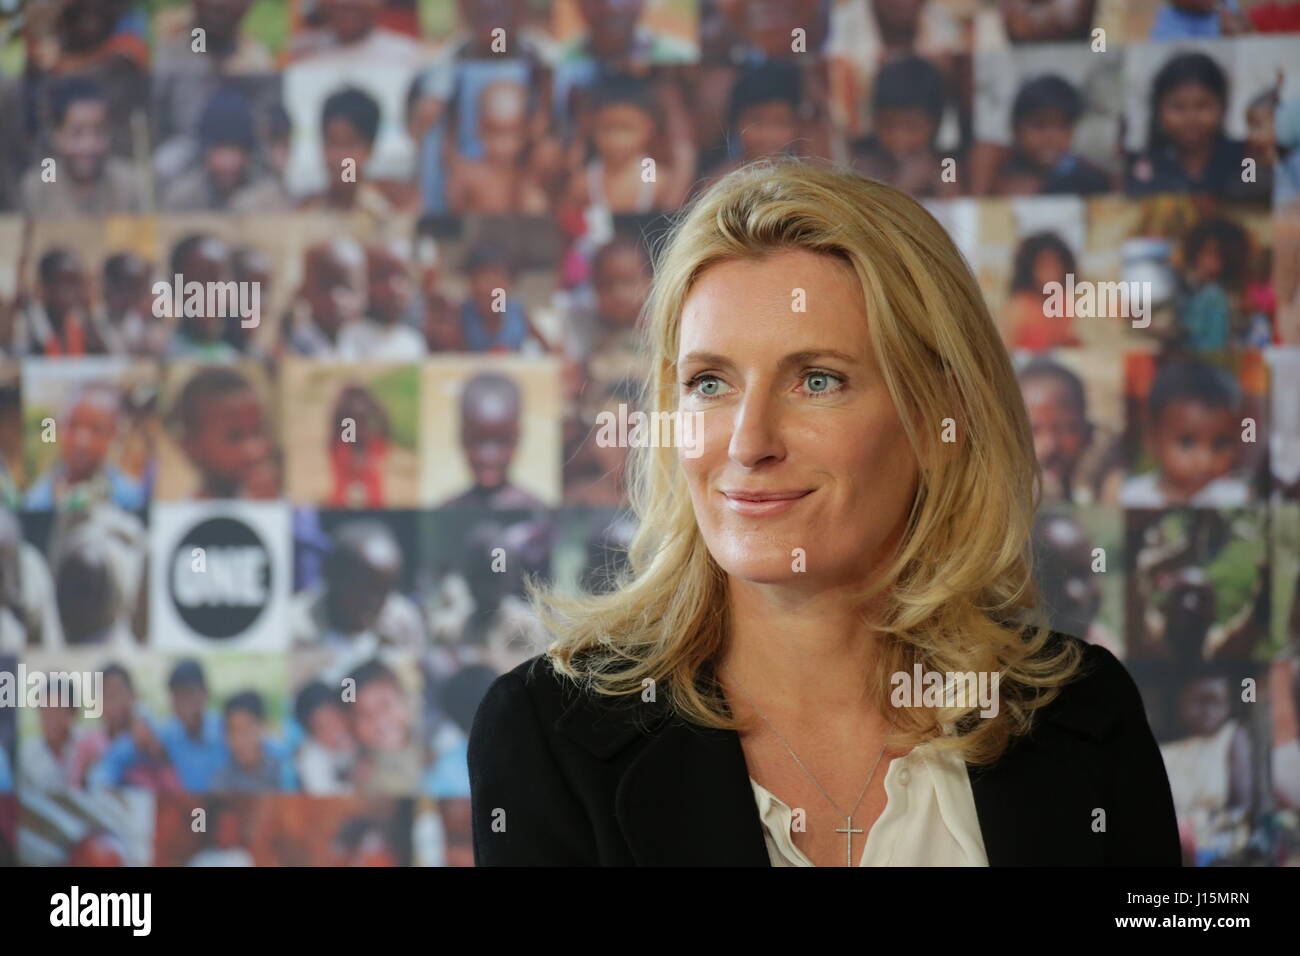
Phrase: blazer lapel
(686,800)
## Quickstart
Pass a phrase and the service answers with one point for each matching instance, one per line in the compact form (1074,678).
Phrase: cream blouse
(929,819)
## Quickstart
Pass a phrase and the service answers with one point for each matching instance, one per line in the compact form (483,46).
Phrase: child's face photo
(82,139)
(390,286)
(767,129)
(905,132)
(1044,137)
(119,701)
(622,131)
(1060,432)
(483,285)
(88,436)
(365,416)
(1203,706)
(1048,267)
(1070,587)
(350,20)
(132,291)
(1191,115)
(188,704)
(56,723)
(342,141)
(489,442)
(209,261)
(381,716)
(226,166)
(769,23)
(329,727)
(229,441)
(335,287)
(86,593)
(611,24)
(1208,264)
(366,573)
(244,738)
(68,289)
(1194,444)
(503,122)
(621,282)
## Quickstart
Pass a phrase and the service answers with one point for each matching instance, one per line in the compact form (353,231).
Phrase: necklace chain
(811,777)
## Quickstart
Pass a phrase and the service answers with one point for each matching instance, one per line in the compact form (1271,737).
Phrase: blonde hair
(958,594)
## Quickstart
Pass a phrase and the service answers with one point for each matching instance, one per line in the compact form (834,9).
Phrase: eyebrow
(794,358)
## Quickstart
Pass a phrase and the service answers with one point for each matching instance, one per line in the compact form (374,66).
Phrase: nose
(1202,460)
(755,431)
(1045,440)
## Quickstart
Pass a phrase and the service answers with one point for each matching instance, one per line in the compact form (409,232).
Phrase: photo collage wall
(308,310)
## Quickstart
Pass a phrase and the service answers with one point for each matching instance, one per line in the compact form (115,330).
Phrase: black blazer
(577,780)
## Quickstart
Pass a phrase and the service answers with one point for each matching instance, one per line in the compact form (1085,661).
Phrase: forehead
(86,110)
(1190,412)
(755,303)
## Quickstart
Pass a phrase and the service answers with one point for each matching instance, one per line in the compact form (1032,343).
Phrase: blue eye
(700,384)
(819,383)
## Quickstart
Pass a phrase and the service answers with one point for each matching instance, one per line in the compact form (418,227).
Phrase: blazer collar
(686,797)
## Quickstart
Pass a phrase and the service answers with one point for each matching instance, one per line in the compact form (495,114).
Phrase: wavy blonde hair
(959,594)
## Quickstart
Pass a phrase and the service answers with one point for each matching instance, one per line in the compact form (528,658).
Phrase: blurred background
(291,530)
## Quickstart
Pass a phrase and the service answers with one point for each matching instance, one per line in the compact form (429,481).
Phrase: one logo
(220,578)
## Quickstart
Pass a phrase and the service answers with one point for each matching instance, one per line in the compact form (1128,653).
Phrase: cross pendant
(849,830)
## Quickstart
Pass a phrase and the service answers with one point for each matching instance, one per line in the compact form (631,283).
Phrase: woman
(858,510)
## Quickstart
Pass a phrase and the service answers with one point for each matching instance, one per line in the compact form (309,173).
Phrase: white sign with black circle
(219,576)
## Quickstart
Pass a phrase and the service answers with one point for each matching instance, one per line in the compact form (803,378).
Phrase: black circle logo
(220,578)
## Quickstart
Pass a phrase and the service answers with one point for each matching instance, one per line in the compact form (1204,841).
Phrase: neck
(805,654)
(1196,158)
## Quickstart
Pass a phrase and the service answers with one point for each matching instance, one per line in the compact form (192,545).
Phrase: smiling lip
(760,504)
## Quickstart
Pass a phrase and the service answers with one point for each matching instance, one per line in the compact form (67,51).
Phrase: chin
(767,565)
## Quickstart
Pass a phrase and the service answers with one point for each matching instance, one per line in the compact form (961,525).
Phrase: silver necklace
(848,829)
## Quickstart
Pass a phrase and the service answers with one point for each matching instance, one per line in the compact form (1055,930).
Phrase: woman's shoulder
(527,691)
(536,693)
(1100,700)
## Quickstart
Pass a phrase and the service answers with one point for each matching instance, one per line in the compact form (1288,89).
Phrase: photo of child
(360,598)
(636,153)
(1197,588)
(1041,259)
(1209,768)
(1186,148)
(908,101)
(361,451)
(221,435)
(1043,117)
(88,438)
(1080,451)
(1190,428)
(500,449)
(1079,601)
(222,735)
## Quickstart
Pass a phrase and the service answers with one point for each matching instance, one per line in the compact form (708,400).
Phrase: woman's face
(792,403)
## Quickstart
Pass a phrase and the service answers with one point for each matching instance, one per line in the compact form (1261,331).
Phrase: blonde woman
(855,515)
